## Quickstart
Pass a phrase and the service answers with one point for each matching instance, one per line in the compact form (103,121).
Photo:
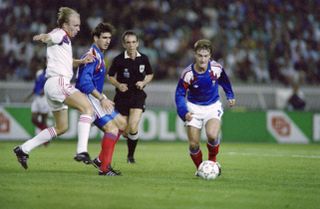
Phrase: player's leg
(194,144)
(121,122)
(61,119)
(212,122)
(106,121)
(212,131)
(109,140)
(43,120)
(35,119)
(80,102)
(37,108)
(61,126)
(132,130)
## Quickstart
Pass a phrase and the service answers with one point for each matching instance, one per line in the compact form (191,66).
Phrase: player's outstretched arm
(43,37)
(87,59)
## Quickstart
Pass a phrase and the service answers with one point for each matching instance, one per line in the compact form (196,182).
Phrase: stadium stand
(267,41)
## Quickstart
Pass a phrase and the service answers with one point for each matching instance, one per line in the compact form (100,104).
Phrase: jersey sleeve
(113,68)
(57,36)
(180,99)
(225,83)
(148,66)
(85,77)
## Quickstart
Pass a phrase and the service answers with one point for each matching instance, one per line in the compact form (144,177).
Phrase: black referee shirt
(130,71)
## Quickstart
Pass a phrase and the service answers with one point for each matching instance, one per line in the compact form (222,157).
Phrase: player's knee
(194,146)
(110,128)
(87,109)
(133,127)
(122,124)
(212,135)
(61,129)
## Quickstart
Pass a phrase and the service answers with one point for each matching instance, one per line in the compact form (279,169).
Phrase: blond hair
(203,44)
(64,14)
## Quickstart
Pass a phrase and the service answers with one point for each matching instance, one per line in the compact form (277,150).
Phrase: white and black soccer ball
(209,170)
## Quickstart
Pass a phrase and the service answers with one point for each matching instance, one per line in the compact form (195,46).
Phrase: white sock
(133,136)
(43,137)
(84,125)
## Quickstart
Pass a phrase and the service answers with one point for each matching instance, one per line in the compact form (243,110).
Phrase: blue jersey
(39,82)
(201,88)
(91,76)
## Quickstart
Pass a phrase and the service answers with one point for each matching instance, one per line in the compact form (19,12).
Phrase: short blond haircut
(64,14)
(203,44)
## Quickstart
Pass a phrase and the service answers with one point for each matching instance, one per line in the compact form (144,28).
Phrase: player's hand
(123,87)
(37,37)
(107,104)
(87,59)
(188,116)
(231,102)
(140,85)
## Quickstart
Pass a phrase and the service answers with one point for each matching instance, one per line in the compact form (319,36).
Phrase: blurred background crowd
(260,41)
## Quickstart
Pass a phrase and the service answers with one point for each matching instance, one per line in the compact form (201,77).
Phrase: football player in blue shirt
(197,100)
(90,80)
(39,106)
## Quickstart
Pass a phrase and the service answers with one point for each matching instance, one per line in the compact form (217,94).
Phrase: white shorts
(40,105)
(203,113)
(57,89)
(102,116)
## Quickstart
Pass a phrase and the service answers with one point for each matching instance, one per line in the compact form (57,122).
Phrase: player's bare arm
(87,59)
(43,37)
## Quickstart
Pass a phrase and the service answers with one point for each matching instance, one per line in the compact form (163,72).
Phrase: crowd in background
(260,41)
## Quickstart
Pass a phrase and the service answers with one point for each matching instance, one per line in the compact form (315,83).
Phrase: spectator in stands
(296,100)
(279,26)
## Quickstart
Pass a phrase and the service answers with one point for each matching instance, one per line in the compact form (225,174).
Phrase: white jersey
(59,55)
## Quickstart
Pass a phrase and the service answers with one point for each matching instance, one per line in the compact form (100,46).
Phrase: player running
(90,80)
(197,100)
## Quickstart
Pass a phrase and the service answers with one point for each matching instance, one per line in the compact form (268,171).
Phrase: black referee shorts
(124,102)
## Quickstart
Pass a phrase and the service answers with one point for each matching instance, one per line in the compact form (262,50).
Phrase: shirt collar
(126,56)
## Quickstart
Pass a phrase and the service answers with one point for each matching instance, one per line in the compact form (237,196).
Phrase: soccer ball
(209,170)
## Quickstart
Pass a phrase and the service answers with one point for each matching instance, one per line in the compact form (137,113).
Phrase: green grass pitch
(254,176)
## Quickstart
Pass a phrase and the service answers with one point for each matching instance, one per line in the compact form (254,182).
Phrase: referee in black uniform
(130,72)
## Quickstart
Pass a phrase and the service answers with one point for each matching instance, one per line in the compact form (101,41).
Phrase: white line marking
(274,155)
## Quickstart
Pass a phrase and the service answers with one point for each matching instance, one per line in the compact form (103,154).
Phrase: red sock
(196,158)
(107,147)
(213,151)
(42,126)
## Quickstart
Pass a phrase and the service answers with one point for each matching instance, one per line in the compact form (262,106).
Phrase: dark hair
(203,44)
(129,33)
(102,28)
(64,14)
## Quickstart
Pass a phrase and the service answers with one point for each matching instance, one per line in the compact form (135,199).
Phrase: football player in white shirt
(59,92)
